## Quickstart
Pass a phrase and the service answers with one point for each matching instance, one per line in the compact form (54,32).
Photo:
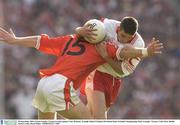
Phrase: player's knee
(47,115)
(99,115)
(87,115)
(79,111)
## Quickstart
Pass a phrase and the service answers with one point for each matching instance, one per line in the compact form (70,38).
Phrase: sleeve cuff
(38,42)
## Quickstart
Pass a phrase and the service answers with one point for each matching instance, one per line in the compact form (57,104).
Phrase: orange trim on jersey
(67,95)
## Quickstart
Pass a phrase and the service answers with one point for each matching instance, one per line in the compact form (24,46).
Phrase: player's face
(124,37)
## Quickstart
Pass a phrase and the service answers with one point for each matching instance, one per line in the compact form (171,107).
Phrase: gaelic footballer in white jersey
(128,66)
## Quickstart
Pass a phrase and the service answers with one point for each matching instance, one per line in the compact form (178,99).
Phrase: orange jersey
(75,58)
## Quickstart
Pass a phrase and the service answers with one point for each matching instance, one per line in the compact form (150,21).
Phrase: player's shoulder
(74,36)
(111,20)
(108,21)
(138,41)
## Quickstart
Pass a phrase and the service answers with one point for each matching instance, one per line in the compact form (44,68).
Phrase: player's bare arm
(85,31)
(152,49)
(116,65)
(10,38)
(130,52)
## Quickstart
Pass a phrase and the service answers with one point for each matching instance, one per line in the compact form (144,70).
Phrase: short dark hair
(129,25)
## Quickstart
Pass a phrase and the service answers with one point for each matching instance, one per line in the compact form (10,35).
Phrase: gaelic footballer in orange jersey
(75,58)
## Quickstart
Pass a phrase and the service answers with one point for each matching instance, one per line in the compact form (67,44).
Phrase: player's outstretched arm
(10,38)
(129,52)
(152,49)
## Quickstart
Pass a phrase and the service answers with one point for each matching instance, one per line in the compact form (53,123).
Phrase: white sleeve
(128,66)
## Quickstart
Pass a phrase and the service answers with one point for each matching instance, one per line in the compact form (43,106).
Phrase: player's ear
(118,29)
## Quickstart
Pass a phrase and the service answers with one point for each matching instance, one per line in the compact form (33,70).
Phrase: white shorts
(55,93)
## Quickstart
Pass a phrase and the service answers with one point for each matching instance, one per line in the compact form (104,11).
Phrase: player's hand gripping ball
(96,24)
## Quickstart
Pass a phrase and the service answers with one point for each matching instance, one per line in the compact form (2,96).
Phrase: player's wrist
(78,32)
(12,40)
(144,52)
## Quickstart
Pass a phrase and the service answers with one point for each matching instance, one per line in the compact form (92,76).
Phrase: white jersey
(128,66)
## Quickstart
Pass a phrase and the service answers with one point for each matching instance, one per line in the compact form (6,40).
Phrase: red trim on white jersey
(128,67)
(67,95)
(133,40)
(130,61)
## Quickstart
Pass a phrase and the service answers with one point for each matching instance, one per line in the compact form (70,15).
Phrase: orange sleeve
(52,45)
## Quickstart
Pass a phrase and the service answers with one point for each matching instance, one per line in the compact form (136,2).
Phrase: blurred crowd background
(152,91)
